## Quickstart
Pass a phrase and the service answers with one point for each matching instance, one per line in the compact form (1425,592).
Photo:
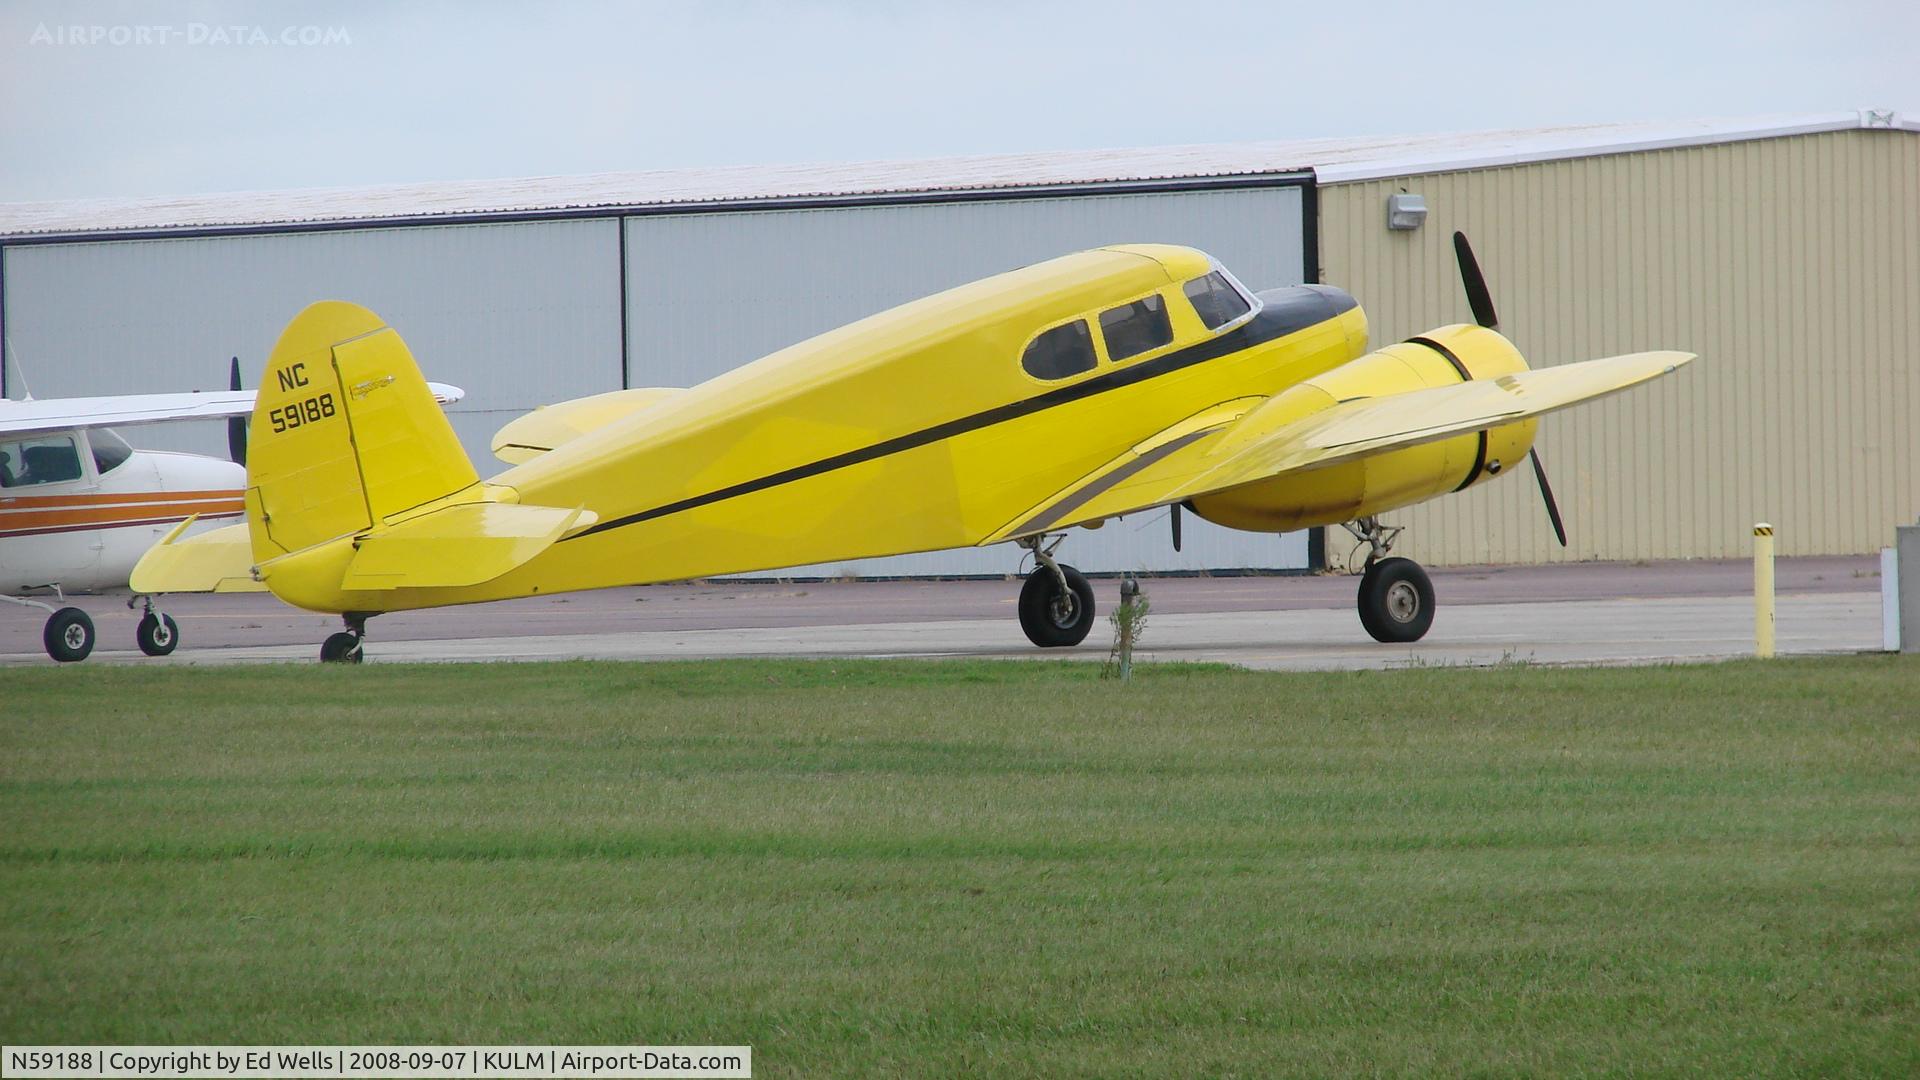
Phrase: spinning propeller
(1480,299)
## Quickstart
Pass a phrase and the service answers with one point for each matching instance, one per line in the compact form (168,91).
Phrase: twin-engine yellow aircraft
(1062,394)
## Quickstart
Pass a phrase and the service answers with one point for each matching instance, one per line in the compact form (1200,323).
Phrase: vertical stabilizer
(345,433)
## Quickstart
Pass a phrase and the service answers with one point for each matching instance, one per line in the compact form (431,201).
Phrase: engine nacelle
(1387,481)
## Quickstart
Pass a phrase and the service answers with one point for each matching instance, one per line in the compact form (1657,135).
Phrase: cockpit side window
(110,451)
(1062,351)
(1132,329)
(1215,301)
(46,459)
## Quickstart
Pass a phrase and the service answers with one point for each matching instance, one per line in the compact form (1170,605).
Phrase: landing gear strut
(68,636)
(157,633)
(345,646)
(1056,603)
(1396,596)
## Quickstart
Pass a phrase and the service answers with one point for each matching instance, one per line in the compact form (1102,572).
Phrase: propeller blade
(1176,526)
(1479,297)
(1546,492)
(236,425)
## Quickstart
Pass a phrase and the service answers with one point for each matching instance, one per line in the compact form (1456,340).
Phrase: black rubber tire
(1049,620)
(341,648)
(69,635)
(1396,601)
(158,635)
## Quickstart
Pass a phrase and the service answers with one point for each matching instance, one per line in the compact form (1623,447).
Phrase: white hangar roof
(1328,161)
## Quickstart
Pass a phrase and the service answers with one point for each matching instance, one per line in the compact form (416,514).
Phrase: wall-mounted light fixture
(1406,212)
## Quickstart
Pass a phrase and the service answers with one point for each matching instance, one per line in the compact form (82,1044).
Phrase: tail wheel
(1053,618)
(1396,601)
(69,635)
(157,634)
(341,648)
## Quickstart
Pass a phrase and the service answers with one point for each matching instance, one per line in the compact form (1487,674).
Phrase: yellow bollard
(1763,590)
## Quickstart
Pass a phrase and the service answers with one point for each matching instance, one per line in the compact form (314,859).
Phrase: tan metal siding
(1791,265)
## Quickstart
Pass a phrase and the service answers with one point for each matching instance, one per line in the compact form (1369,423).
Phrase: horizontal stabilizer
(458,546)
(216,561)
(539,431)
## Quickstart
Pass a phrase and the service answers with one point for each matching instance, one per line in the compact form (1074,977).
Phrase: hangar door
(518,315)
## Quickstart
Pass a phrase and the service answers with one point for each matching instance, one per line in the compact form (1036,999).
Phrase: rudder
(345,433)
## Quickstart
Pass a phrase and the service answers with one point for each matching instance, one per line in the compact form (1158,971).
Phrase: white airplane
(79,506)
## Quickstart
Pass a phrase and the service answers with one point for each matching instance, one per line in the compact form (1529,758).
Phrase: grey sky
(432,91)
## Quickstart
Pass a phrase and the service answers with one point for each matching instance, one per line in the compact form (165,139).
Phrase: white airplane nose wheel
(1396,601)
(69,635)
(157,633)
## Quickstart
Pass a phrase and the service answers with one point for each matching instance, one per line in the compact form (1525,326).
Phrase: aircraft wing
(1227,448)
(128,410)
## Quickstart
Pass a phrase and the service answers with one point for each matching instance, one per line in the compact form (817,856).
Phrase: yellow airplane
(1012,409)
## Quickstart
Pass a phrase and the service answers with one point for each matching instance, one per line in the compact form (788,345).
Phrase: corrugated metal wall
(525,314)
(516,314)
(711,291)
(1791,265)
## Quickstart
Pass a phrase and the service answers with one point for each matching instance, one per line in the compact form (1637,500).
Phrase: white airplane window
(1060,352)
(48,459)
(1137,327)
(1216,302)
(110,451)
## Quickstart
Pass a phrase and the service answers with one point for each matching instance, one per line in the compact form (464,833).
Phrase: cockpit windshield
(110,451)
(1215,300)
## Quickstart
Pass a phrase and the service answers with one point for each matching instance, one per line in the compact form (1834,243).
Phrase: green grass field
(912,868)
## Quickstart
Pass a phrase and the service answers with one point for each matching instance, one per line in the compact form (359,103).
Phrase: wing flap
(1195,459)
(458,546)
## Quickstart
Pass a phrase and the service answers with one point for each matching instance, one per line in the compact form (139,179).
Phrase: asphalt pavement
(1578,613)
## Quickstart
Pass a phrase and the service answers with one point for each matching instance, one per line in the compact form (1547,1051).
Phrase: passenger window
(46,460)
(1136,327)
(1216,302)
(110,451)
(1060,352)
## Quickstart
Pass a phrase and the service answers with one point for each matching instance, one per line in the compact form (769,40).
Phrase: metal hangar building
(1785,250)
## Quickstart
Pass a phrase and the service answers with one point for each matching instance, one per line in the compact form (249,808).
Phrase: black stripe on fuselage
(1284,311)
(1480,453)
(1046,518)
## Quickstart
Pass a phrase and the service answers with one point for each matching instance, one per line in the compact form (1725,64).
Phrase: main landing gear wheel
(157,634)
(1396,601)
(341,648)
(1054,617)
(69,635)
